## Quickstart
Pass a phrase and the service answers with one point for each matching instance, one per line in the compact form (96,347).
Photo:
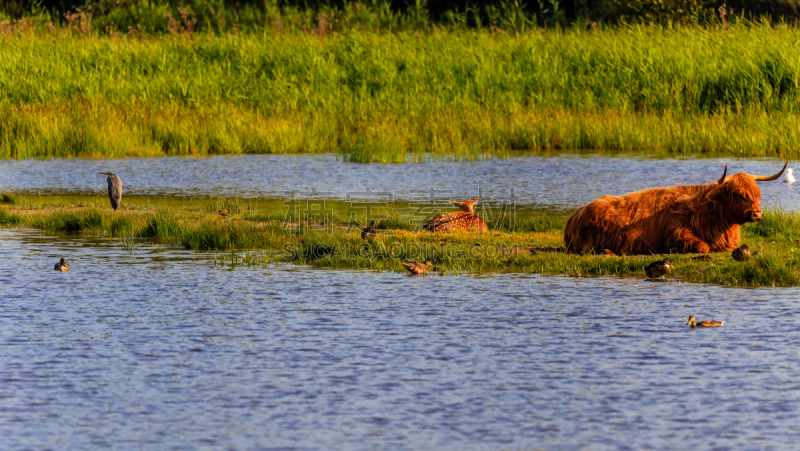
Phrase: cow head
(738,196)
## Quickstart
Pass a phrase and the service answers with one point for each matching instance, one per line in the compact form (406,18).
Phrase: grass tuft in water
(71,221)
(121,226)
(162,227)
(9,219)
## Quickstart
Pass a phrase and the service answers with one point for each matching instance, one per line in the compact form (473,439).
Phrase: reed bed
(252,238)
(402,96)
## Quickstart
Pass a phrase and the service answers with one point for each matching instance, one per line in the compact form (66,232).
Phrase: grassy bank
(382,97)
(336,243)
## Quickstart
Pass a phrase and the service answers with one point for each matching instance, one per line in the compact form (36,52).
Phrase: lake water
(556,183)
(159,349)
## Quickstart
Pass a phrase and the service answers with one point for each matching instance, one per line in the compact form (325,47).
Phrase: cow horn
(723,175)
(769,178)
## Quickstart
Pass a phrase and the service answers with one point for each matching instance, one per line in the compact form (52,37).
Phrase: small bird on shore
(658,269)
(223,212)
(114,189)
(741,254)
(693,323)
(789,177)
(369,231)
(62,266)
(418,267)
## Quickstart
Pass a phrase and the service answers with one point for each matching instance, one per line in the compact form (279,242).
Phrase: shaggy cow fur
(699,218)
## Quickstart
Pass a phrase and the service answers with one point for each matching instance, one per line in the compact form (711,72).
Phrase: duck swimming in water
(789,177)
(62,266)
(658,269)
(693,323)
(418,267)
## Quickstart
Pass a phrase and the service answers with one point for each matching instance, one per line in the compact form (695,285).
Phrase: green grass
(9,219)
(778,225)
(71,221)
(251,237)
(402,96)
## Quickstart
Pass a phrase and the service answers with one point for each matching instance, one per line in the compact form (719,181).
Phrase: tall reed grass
(382,97)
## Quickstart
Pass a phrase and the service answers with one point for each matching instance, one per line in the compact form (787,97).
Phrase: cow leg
(687,241)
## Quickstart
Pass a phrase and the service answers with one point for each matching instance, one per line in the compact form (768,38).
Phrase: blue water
(159,349)
(555,183)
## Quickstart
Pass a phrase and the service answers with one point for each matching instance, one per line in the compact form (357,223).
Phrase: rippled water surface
(545,182)
(159,349)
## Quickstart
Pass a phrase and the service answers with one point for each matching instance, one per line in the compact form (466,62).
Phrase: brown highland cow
(698,218)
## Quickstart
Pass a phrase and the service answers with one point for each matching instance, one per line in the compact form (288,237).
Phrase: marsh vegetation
(401,96)
(375,85)
(528,243)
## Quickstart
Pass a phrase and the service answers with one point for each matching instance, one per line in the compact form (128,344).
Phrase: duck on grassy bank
(369,231)
(659,269)
(741,254)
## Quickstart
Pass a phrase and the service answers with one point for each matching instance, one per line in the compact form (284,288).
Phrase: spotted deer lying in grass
(464,219)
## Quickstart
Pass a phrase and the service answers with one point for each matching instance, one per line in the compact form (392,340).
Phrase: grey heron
(114,189)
